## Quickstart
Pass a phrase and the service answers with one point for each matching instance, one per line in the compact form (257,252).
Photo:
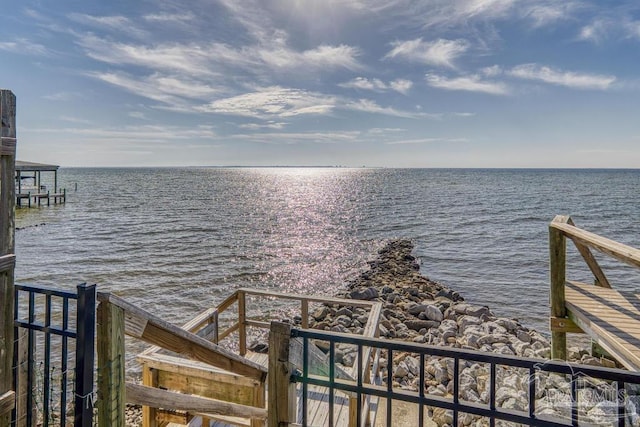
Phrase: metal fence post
(85,355)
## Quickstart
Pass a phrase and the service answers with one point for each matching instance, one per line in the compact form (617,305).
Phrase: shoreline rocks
(420,310)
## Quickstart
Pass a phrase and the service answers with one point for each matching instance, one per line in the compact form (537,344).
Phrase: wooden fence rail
(117,318)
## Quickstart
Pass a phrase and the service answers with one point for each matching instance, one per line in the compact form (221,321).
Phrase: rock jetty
(420,310)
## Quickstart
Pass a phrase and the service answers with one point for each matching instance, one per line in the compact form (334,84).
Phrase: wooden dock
(36,193)
(610,317)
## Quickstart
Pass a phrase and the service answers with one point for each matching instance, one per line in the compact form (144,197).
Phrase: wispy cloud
(377,85)
(440,52)
(169,18)
(63,96)
(268,125)
(569,79)
(117,24)
(144,133)
(425,141)
(369,106)
(274,101)
(472,83)
(166,89)
(23,46)
(300,137)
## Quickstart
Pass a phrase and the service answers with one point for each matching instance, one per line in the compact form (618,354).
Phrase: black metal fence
(54,356)
(612,385)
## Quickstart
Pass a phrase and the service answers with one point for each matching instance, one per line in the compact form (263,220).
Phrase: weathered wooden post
(111,361)
(7,258)
(282,392)
(557,276)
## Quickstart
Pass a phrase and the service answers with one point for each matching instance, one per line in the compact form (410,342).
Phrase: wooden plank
(557,272)
(148,396)
(159,332)
(111,360)
(192,326)
(211,389)
(7,262)
(615,327)
(7,402)
(7,239)
(310,298)
(149,379)
(601,279)
(558,324)
(176,417)
(192,368)
(620,251)
(282,401)
(242,322)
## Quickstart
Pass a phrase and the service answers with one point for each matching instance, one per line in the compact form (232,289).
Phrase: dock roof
(31,166)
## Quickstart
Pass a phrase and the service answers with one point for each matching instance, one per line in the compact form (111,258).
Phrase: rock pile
(420,310)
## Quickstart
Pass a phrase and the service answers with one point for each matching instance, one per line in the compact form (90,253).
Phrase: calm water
(176,241)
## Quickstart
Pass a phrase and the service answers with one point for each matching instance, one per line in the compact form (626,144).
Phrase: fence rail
(615,378)
(42,394)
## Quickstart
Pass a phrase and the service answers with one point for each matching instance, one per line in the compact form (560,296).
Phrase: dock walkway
(610,317)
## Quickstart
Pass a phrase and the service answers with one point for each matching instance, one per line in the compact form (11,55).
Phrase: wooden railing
(117,318)
(232,316)
(561,228)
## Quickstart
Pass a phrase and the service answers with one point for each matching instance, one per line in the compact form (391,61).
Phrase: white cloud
(145,133)
(401,85)
(492,71)
(369,106)
(274,101)
(63,96)
(23,46)
(269,125)
(365,84)
(377,85)
(322,57)
(562,78)
(548,12)
(440,52)
(166,89)
(169,17)
(471,83)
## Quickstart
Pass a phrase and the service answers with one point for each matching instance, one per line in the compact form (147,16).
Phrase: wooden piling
(282,393)
(7,234)
(557,276)
(111,361)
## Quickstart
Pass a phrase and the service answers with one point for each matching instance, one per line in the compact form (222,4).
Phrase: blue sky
(396,83)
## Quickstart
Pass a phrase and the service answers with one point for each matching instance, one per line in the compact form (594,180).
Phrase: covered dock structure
(34,189)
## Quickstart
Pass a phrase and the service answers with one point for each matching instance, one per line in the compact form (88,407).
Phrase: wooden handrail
(147,327)
(619,251)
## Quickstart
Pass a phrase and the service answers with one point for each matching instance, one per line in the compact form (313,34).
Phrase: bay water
(178,240)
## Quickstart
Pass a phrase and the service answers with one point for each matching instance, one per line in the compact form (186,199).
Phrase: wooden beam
(619,251)
(149,396)
(7,262)
(147,327)
(111,360)
(601,279)
(557,276)
(7,402)
(310,298)
(282,393)
(7,240)
(559,324)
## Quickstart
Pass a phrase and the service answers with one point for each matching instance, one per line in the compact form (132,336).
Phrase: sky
(380,83)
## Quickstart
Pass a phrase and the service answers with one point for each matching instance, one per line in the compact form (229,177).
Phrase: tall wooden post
(282,393)
(111,380)
(557,276)
(7,231)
